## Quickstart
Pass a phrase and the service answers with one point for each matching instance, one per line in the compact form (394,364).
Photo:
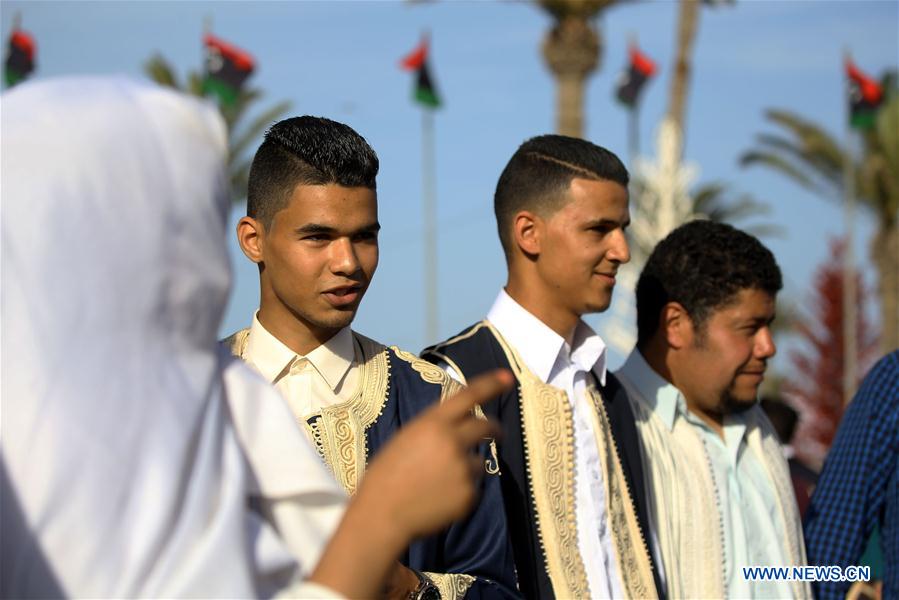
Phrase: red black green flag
(631,80)
(865,95)
(19,57)
(425,92)
(227,68)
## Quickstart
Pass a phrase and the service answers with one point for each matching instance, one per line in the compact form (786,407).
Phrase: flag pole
(850,343)
(430,223)
(633,139)
(633,134)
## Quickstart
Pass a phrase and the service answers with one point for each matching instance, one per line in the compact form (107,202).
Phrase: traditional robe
(472,558)
(684,502)
(536,462)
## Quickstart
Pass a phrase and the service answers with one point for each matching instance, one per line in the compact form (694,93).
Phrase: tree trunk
(885,254)
(687,24)
(571,50)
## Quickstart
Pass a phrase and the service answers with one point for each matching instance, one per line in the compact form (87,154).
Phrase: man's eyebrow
(608,223)
(314,228)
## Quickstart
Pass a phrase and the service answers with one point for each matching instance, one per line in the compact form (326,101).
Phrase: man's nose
(619,251)
(764,343)
(343,257)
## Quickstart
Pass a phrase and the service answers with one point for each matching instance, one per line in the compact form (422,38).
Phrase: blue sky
(339,59)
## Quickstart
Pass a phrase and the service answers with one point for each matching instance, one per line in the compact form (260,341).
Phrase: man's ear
(251,237)
(527,231)
(676,325)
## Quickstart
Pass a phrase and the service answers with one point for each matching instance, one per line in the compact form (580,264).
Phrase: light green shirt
(747,500)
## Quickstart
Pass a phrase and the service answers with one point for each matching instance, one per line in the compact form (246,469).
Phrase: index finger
(481,389)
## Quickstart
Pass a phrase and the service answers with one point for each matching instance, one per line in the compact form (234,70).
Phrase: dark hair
(702,265)
(782,417)
(306,151)
(540,172)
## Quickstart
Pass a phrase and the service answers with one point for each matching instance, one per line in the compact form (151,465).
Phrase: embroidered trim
(452,586)
(341,427)
(434,374)
(631,550)
(547,425)
(431,373)
(452,365)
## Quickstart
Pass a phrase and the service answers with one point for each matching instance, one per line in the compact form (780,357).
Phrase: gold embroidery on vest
(431,373)
(452,586)
(341,427)
(547,425)
(631,551)
(449,387)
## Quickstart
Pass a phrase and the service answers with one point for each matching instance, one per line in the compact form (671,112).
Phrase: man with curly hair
(721,497)
(312,228)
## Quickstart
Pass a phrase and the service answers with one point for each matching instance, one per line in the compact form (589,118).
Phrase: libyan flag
(631,81)
(227,68)
(865,95)
(19,57)
(425,91)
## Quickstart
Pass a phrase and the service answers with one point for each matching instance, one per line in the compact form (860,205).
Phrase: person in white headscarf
(131,445)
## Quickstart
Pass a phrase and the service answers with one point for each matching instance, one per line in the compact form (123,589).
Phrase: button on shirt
(566,367)
(751,519)
(326,376)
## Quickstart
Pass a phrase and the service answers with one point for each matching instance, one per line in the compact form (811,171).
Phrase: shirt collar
(332,359)
(540,347)
(662,397)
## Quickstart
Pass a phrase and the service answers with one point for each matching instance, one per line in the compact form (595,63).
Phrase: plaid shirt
(859,486)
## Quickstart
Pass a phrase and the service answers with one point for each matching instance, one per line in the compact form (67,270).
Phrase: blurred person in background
(133,445)
(784,419)
(312,228)
(858,490)
(721,497)
(569,457)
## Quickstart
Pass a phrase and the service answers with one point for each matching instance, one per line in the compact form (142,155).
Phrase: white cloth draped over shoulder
(125,472)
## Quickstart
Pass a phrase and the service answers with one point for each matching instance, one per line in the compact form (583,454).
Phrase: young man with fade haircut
(312,227)
(569,456)
(720,492)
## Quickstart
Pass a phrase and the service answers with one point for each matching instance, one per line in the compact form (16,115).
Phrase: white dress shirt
(566,367)
(327,375)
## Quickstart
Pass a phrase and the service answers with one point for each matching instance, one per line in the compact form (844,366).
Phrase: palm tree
(572,50)
(809,155)
(687,24)
(240,139)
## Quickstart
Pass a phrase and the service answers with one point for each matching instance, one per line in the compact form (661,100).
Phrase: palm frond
(195,83)
(238,178)
(158,69)
(240,139)
(781,164)
(712,200)
(257,126)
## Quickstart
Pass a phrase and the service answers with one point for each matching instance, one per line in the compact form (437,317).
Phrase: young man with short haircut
(569,456)
(312,227)
(721,497)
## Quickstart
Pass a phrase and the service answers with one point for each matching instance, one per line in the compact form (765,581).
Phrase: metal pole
(430,224)
(633,134)
(850,344)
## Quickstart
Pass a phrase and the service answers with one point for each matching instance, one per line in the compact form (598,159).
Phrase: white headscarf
(123,473)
